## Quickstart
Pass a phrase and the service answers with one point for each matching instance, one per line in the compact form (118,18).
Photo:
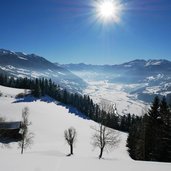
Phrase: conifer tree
(164,137)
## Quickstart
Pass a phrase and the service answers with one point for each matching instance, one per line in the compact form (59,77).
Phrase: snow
(48,153)
(5,68)
(50,70)
(4,52)
(21,53)
(10,92)
(22,71)
(61,73)
(36,74)
(160,89)
(152,90)
(150,78)
(153,62)
(155,77)
(115,93)
(22,58)
(128,66)
(10,67)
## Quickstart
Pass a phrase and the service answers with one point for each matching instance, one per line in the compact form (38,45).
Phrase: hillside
(49,120)
(19,64)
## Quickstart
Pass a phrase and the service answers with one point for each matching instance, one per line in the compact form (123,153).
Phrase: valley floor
(49,150)
(115,93)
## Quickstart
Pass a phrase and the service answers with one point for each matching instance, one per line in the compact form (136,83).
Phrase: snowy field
(49,150)
(116,94)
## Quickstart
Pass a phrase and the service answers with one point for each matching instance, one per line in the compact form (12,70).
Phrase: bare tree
(105,139)
(108,106)
(27,137)
(70,137)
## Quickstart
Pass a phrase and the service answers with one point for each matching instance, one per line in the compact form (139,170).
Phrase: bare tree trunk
(101,153)
(22,147)
(70,136)
(26,136)
(71,149)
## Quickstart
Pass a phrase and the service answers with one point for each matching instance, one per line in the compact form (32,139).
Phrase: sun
(108,10)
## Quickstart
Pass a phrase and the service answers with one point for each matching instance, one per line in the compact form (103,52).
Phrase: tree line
(150,135)
(41,86)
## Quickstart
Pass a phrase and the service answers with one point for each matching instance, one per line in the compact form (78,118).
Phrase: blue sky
(67,31)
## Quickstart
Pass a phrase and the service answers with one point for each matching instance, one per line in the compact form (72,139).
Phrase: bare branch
(27,137)
(105,138)
(70,137)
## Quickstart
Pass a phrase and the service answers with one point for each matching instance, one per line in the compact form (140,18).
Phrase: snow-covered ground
(49,150)
(117,94)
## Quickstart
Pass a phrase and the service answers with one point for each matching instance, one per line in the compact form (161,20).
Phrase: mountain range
(129,85)
(150,78)
(19,64)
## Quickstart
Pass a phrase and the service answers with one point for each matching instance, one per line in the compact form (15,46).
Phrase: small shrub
(20,95)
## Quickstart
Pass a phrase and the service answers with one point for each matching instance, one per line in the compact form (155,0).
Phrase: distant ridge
(153,77)
(19,64)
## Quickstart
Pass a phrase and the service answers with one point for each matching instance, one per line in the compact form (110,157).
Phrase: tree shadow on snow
(73,110)
(47,99)
(30,99)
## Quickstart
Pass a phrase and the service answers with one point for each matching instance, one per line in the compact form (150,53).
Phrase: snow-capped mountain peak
(32,65)
(155,62)
(4,51)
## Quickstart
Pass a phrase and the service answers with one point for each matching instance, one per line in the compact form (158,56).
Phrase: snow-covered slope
(48,153)
(113,93)
(19,64)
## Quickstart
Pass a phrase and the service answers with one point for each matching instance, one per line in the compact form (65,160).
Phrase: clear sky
(68,31)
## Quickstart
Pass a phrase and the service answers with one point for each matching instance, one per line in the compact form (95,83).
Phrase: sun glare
(109,10)
(106,9)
